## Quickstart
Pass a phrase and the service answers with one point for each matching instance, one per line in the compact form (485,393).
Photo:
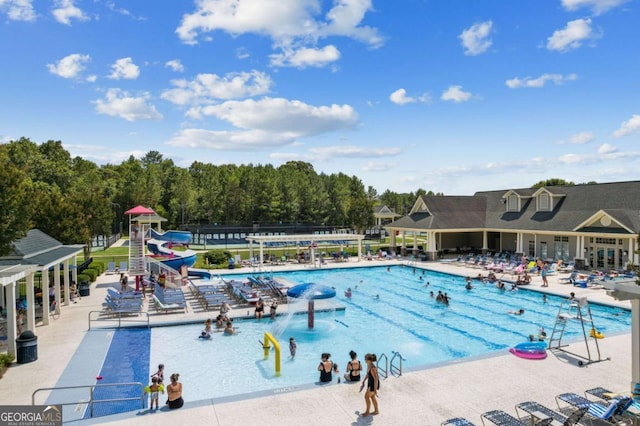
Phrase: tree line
(73,199)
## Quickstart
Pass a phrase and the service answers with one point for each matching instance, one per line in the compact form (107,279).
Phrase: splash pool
(404,319)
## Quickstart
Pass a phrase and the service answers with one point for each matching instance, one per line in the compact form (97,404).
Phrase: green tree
(553,182)
(15,202)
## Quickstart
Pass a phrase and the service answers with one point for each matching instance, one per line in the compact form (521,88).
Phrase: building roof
(575,208)
(38,249)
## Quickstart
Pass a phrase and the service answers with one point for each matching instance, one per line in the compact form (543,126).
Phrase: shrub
(217,257)
(83,277)
(92,273)
(98,266)
(6,360)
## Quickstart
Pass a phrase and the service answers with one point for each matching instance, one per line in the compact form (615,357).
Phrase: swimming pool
(403,319)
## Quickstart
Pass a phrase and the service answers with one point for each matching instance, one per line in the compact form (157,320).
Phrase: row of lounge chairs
(112,269)
(122,303)
(210,296)
(608,407)
(169,299)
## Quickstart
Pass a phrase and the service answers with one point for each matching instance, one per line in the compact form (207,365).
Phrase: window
(561,247)
(532,248)
(610,241)
(512,203)
(544,203)
(543,249)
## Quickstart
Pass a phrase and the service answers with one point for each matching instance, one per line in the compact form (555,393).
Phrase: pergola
(310,241)
(36,252)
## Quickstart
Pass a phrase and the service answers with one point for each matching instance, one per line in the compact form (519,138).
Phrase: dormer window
(512,203)
(544,202)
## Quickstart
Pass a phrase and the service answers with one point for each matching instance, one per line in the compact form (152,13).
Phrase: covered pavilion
(302,240)
(36,253)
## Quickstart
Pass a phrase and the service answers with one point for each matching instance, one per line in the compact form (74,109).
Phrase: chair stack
(210,296)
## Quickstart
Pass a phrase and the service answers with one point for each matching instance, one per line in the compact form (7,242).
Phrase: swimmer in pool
(518,312)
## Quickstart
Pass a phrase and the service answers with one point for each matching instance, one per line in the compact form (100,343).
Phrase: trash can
(27,347)
(84,289)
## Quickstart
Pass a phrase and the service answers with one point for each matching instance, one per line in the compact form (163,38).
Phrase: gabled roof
(39,249)
(551,190)
(523,193)
(486,209)
(445,212)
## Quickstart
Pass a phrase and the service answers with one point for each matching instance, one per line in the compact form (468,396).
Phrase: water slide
(160,246)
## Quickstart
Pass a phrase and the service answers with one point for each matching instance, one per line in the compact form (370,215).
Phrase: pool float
(528,355)
(531,347)
(595,333)
(204,336)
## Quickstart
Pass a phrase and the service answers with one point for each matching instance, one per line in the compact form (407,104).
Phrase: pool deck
(464,388)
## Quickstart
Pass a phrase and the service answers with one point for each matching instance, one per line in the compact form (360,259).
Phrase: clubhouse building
(595,225)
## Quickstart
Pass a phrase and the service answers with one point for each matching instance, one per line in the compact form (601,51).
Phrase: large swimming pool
(403,318)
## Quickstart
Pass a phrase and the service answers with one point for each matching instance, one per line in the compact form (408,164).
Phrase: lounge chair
(123,266)
(500,418)
(457,421)
(166,308)
(532,406)
(111,268)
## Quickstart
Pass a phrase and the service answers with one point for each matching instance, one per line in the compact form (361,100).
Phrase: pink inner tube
(528,355)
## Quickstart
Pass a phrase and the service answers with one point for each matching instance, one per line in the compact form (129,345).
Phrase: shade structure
(311,291)
(138,210)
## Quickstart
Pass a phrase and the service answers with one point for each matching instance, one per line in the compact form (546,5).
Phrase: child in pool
(292,347)
(153,390)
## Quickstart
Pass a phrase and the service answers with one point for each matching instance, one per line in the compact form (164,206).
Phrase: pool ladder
(393,367)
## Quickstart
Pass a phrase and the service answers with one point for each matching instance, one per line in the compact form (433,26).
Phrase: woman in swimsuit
(174,389)
(259,308)
(325,368)
(353,368)
(373,384)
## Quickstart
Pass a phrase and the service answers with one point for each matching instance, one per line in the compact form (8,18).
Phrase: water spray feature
(311,292)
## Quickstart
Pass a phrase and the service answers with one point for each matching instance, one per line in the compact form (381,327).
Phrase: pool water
(403,319)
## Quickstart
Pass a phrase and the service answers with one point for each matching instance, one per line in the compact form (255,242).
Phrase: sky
(453,96)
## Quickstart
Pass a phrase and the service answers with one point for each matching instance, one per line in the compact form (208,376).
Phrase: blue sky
(454,96)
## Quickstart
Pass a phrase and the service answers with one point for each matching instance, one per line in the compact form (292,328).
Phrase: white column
(31,304)
(485,245)
(56,281)
(578,248)
(635,341)
(67,297)
(75,269)
(415,241)
(359,249)
(392,240)
(45,296)
(10,304)
(404,242)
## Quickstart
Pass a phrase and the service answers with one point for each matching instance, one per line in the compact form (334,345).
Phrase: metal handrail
(119,317)
(91,389)
(384,372)
(396,371)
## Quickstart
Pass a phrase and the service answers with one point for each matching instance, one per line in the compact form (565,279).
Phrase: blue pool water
(404,319)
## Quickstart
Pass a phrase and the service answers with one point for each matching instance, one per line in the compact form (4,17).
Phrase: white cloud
(92,78)
(572,36)
(265,123)
(378,166)
(292,25)
(124,68)
(283,116)
(18,10)
(118,103)
(597,6)
(399,97)
(351,151)
(206,88)
(66,10)
(305,57)
(242,53)
(628,127)
(175,65)
(579,138)
(557,79)
(70,66)
(455,94)
(475,39)
(607,149)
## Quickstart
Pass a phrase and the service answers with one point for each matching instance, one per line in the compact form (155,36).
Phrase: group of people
(259,309)
(174,390)
(371,380)
(223,323)
(440,297)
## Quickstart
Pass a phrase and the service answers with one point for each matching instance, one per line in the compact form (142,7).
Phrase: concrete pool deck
(463,388)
